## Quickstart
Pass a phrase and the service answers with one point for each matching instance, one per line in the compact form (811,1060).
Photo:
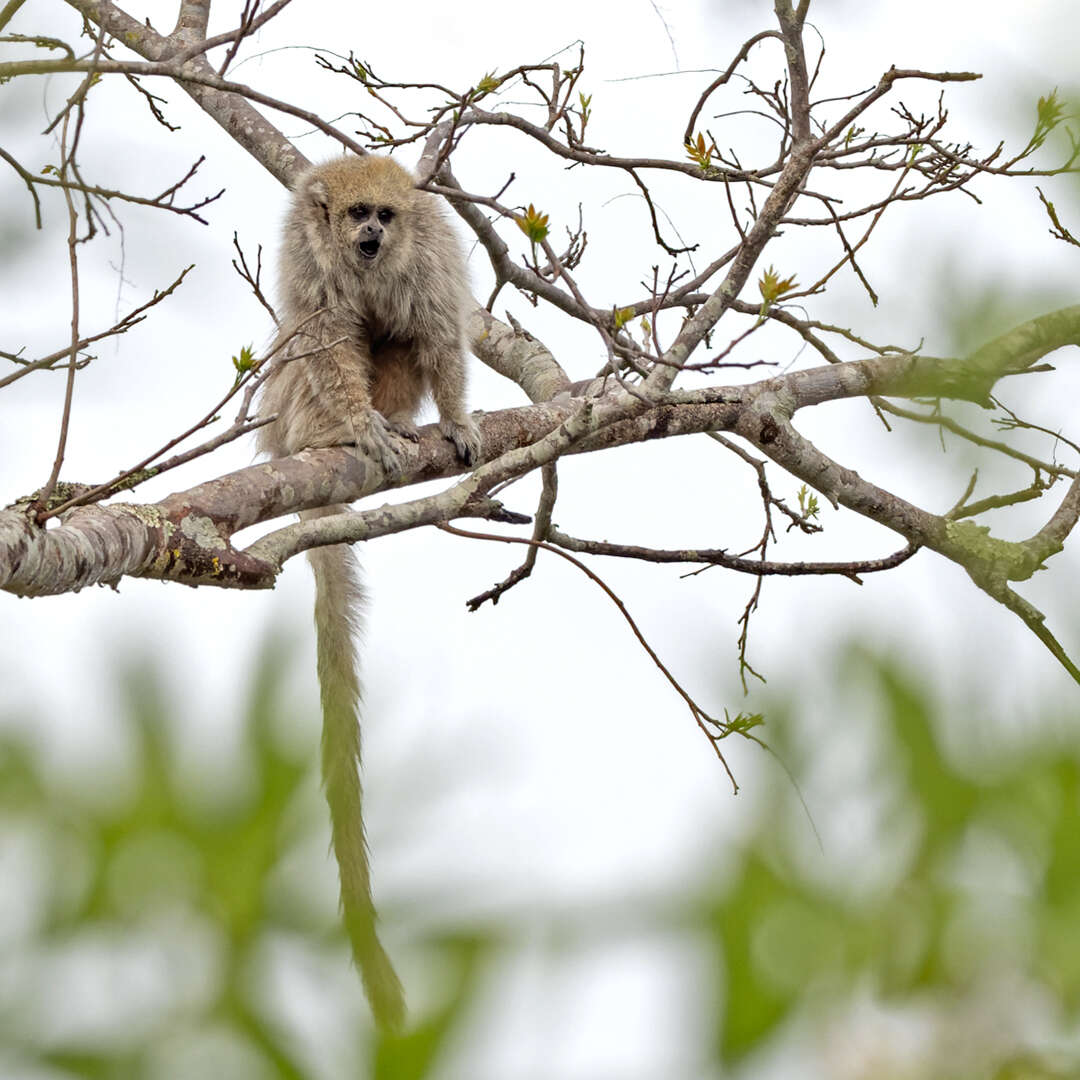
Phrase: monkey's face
(368,229)
(362,214)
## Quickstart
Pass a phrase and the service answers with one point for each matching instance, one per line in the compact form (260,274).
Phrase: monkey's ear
(318,192)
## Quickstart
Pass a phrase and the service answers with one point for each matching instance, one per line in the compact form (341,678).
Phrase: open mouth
(369,248)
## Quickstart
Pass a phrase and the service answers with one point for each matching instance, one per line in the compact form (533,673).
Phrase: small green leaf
(808,503)
(772,287)
(699,153)
(488,83)
(533,224)
(1049,112)
(742,723)
(584,100)
(244,362)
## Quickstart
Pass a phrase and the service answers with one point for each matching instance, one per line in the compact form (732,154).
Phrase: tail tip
(384,992)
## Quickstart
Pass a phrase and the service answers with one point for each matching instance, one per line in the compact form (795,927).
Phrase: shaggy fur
(373,299)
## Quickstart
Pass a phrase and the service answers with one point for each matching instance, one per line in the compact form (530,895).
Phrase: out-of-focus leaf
(415,1054)
(753,1004)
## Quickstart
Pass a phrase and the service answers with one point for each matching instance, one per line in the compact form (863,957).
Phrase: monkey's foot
(465,436)
(378,439)
(403,426)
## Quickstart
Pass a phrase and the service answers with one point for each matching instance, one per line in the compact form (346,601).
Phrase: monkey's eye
(386,215)
(359,212)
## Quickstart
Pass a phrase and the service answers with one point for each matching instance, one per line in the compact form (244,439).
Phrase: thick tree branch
(187,537)
(517,355)
(991,563)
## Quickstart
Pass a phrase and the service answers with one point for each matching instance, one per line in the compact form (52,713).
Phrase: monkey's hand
(465,436)
(381,441)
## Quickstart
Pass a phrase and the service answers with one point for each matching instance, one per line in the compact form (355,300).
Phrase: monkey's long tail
(339,603)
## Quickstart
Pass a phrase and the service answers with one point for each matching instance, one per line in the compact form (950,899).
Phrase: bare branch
(8,10)
(67,155)
(721,80)
(541,530)
(708,724)
(132,318)
(851,569)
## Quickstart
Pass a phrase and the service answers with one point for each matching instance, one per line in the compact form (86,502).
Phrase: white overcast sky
(568,771)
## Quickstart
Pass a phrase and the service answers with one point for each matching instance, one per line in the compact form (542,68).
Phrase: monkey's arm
(445,364)
(321,391)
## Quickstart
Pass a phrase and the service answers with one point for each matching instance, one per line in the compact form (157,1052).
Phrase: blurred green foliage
(983,897)
(957,955)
